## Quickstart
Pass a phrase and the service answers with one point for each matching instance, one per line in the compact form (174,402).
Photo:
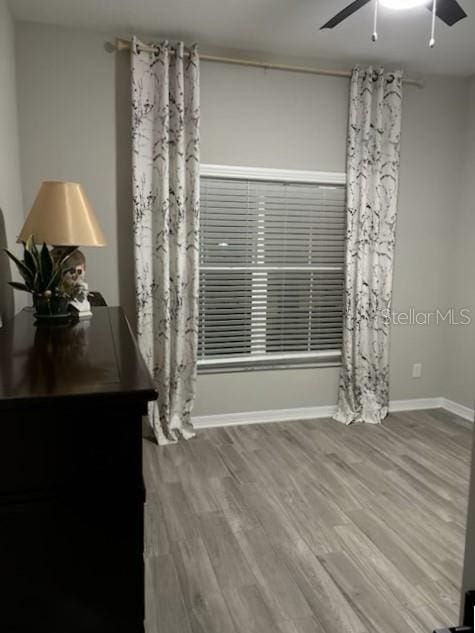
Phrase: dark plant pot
(52,309)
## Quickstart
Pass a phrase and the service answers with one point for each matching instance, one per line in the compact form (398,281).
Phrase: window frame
(298,360)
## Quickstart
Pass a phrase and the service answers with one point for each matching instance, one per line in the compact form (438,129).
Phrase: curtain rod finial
(122,45)
(119,45)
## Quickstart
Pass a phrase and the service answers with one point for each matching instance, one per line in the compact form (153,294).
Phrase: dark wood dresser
(71,487)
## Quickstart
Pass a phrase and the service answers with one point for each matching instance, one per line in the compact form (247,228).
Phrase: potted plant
(44,279)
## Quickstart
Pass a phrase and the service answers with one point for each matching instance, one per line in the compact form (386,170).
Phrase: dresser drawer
(72,567)
(74,525)
(53,450)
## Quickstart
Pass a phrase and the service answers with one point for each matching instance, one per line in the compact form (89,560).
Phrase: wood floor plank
(275,516)
(422,496)
(378,569)
(206,608)
(330,607)
(233,502)
(408,560)
(227,558)
(156,534)
(308,625)
(194,481)
(177,514)
(446,487)
(249,610)
(367,600)
(435,541)
(207,458)
(441,593)
(430,617)
(282,594)
(165,606)
(238,468)
(308,527)
(312,521)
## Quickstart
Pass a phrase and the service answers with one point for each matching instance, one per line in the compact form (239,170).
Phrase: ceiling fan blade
(449,11)
(345,13)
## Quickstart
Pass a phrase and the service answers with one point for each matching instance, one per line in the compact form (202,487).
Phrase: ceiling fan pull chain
(432,32)
(374,37)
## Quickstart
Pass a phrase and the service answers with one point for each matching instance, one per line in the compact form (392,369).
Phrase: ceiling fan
(449,11)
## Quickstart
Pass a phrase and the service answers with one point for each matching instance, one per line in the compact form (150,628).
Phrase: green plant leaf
(23,269)
(55,279)
(34,249)
(30,247)
(30,261)
(46,265)
(18,286)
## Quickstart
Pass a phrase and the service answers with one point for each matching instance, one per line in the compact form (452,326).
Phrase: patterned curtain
(372,171)
(165,161)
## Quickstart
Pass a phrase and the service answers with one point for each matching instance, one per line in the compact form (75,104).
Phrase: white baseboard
(415,404)
(312,413)
(458,409)
(263,417)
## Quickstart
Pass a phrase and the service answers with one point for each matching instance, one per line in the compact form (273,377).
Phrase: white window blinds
(271,272)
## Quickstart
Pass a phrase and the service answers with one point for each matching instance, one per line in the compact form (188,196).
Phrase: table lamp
(62,216)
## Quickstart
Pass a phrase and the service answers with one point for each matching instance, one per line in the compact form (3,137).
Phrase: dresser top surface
(94,358)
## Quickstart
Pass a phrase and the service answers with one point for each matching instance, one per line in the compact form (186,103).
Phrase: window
(271,268)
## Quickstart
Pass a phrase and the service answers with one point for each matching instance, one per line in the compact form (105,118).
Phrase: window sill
(217,366)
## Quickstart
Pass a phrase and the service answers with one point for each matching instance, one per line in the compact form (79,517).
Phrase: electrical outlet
(417,370)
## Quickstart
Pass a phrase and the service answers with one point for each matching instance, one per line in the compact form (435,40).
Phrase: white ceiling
(279,28)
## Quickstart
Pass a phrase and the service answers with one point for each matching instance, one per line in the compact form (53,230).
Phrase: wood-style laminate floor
(308,527)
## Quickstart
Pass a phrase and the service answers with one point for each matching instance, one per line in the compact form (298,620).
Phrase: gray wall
(68,118)
(11,213)
(461,354)
(74,125)
(459,379)
(432,159)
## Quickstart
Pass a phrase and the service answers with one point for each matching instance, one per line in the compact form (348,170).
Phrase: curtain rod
(124,45)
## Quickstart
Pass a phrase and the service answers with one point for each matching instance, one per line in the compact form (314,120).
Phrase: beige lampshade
(62,216)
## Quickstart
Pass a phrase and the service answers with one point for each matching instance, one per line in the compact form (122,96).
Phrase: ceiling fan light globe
(402,4)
